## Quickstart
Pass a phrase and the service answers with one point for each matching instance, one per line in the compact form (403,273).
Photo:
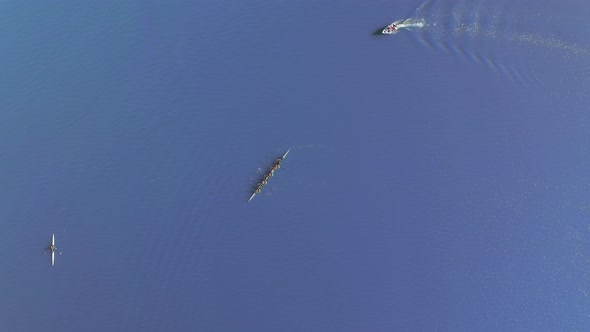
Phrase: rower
(52,248)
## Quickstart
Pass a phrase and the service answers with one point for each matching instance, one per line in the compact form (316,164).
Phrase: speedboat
(391,29)
(408,23)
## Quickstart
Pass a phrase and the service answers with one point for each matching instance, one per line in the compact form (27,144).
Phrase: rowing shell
(285,155)
(53,250)
(282,158)
(254,194)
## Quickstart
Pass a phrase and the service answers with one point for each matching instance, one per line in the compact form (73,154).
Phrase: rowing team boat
(271,173)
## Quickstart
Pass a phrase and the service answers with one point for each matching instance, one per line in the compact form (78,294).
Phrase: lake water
(438,179)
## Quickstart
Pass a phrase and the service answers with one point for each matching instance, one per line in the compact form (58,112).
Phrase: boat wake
(407,24)
(484,31)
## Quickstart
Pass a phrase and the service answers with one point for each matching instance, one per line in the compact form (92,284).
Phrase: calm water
(438,179)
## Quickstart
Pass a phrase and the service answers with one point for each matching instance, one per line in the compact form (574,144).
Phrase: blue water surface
(438,179)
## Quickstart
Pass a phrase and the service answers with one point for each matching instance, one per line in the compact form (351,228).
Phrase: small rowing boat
(271,173)
(52,249)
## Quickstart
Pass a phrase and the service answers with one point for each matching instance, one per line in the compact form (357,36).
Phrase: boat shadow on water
(379,32)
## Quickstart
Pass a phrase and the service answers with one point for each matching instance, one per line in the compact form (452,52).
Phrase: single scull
(52,249)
